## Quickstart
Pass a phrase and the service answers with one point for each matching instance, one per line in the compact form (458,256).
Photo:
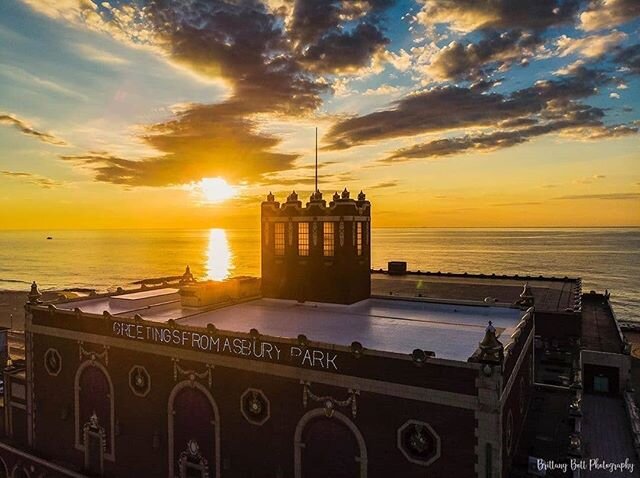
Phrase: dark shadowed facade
(317,253)
(306,374)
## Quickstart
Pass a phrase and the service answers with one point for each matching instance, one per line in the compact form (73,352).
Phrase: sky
(186,114)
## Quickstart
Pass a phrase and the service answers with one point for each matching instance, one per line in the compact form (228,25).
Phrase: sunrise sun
(215,190)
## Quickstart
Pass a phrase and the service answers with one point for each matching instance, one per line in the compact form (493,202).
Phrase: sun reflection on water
(219,255)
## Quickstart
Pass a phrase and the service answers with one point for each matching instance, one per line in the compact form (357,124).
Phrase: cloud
(629,58)
(469,15)
(101,56)
(604,197)
(45,183)
(591,46)
(383,185)
(22,126)
(271,56)
(202,141)
(459,60)
(584,126)
(21,76)
(602,14)
(345,51)
(518,204)
(454,107)
(595,133)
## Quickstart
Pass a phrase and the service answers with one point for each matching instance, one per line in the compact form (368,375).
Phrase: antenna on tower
(316,159)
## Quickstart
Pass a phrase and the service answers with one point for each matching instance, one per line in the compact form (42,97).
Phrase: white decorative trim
(93,429)
(329,402)
(104,355)
(248,417)
(509,433)
(76,392)
(191,374)
(142,369)
(516,368)
(320,412)
(341,232)
(171,413)
(51,352)
(436,437)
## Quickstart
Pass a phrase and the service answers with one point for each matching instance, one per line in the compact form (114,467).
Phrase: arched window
(329,447)
(94,414)
(194,437)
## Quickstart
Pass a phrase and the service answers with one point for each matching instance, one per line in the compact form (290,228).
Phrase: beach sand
(12,304)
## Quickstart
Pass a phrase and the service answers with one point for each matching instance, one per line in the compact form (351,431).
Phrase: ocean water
(604,258)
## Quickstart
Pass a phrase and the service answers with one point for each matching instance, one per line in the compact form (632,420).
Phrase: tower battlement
(317,252)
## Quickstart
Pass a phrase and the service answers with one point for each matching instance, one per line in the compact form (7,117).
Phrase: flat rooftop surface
(607,432)
(390,325)
(599,329)
(550,294)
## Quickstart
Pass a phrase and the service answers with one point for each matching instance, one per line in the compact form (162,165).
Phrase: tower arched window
(328,239)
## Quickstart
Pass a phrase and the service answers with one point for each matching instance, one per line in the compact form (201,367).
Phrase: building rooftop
(452,331)
(600,331)
(551,294)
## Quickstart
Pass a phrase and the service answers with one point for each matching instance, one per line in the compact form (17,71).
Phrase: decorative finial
(362,196)
(34,294)
(187,277)
(336,196)
(316,196)
(526,299)
(293,196)
(270,197)
(345,194)
(491,349)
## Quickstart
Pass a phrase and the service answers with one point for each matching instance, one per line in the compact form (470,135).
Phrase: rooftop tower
(317,252)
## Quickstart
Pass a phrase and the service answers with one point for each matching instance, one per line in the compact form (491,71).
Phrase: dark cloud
(629,58)
(203,141)
(587,125)
(323,41)
(447,108)
(344,51)
(494,50)
(45,183)
(23,127)
(387,184)
(601,14)
(467,15)
(241,41)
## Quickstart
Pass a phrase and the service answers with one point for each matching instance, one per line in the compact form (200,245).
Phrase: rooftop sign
(245,347)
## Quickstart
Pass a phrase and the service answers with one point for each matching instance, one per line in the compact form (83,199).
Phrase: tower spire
(316,159)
